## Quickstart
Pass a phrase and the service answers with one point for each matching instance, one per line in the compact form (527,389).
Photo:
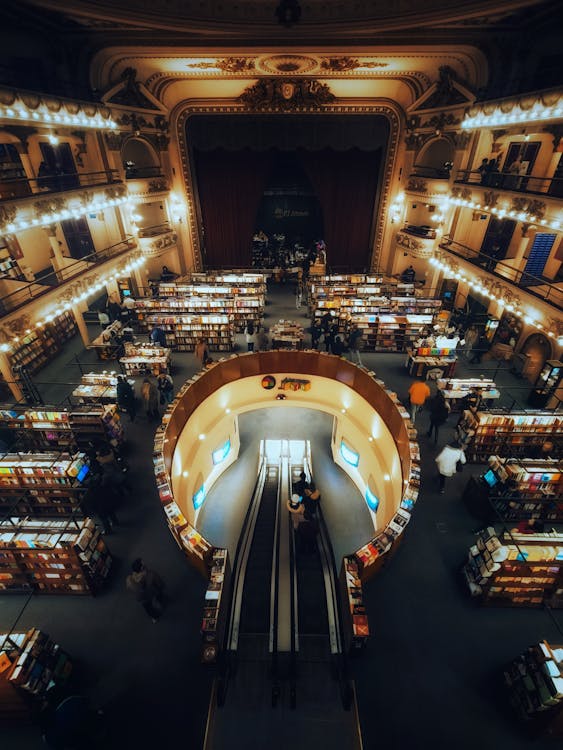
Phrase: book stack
(41,664)
(535,682)
(214,595)
(355,597)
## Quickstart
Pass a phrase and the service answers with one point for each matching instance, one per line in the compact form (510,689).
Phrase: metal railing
(542,288)
(519,183)
(35,289)
(436,173)
(23,187)
(140,173)
(155,231)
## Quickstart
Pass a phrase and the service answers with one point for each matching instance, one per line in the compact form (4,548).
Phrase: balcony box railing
(156,240)
(57,183)
(552,186)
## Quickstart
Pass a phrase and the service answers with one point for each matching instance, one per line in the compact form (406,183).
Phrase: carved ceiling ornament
(7,215)
(286,94)
(490,198)
(235,65)
(288,63)
(417,185)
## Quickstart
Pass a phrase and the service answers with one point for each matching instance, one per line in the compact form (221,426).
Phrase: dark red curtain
(346,184)
(230,186)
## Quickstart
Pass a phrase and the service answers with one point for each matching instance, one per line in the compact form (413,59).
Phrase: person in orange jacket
(418,393)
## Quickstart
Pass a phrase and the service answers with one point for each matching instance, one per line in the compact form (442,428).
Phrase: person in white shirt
(447,461)
(129,303)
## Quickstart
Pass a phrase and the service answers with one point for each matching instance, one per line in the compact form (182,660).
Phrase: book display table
(430,363)
(286,334)
(145,359)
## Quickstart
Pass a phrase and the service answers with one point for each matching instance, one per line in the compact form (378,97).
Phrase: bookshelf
(239,298)
(37,348)
(516,571)
(42,429)
(518,434)
(535,686)
(145,359)
(183,331)
(42,484)
(355,618)
(97,387)
(31,665)
(390,314)
(528,488)
(286,334)
(52,557)
(216,605)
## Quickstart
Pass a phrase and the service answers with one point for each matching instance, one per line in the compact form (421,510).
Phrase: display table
(422,366)
(108,344)
(98,387)
(145,359)
(454,389)
(286,334)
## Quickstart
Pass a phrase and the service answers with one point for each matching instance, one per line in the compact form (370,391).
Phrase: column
(518,261)
(58,261)
(8,375)
(77,311)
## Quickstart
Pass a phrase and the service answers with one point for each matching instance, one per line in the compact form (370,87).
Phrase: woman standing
(439,410)
(201,350)
(250,335)
(149,394)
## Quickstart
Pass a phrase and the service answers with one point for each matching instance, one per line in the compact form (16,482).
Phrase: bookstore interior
(195,339)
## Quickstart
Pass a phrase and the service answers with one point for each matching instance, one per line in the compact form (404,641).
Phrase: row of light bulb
(18,112)
(502,213)
(6,347)
(46,219)
(483,290)
(512,118)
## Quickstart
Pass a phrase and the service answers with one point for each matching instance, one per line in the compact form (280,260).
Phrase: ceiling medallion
(294,64)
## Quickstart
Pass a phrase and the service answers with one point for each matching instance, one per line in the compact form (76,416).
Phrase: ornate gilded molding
(380,213)
(155,247)
(417,185)
(291,94)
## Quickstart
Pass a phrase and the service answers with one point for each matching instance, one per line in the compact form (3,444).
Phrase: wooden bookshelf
(34,664)
(518,434)
(183,331)
(216,606)
(37,348)
(42,484)
(354,612)
(523,571)
(42,429)
(527,488)
(535,684)
(52,557)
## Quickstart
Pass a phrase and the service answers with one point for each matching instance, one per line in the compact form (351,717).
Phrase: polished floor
(431,675)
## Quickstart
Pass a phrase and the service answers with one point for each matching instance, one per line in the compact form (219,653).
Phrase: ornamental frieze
(490,198)
(48,206)
(286,95)
(7,214)
(417,185)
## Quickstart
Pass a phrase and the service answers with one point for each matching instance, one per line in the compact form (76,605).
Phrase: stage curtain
(346,184)
(230,186)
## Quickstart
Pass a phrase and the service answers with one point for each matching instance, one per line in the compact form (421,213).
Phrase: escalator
(274,686)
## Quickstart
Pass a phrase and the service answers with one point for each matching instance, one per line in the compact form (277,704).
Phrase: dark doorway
(496,241)
(78,237)
(61,164)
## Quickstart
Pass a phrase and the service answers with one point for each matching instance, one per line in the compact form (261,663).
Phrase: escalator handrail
(274,592)
(293,609)
(244,542)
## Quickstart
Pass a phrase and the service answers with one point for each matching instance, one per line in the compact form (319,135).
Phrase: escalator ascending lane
(254,625)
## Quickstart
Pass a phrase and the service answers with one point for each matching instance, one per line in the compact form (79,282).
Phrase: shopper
(297,510)
(408,276)
(101,501)
(471,337)
(298,295)
(263,339)
(201,350)
(126,397)
(311,500)
(113,309)
(158,336)
(165,386)
(447,462)
(149,394)
(316,333)
(439,410)
(418,393)
(148,588)
(338,346)
(114,471)
(466,427)
(301,485)
(354,343)
(250,335)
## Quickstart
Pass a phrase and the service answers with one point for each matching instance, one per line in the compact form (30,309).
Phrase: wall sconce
(177,208)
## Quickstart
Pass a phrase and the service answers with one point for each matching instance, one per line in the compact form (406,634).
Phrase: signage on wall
(371,500)
(268,382)
(349,455)
(294,384)
(199,497)
(221,453)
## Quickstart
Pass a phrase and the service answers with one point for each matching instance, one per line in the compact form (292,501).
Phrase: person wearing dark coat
(316,333)
(148,588)
(126,397)
(439,411)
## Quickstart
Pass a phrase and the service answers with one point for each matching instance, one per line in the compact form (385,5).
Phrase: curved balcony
(26,293)
(552,186)
(543,289)
(156,240)
(23,187)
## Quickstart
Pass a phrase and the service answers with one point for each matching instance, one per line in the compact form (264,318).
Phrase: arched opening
(538,348)
(435,159)
(139,159)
